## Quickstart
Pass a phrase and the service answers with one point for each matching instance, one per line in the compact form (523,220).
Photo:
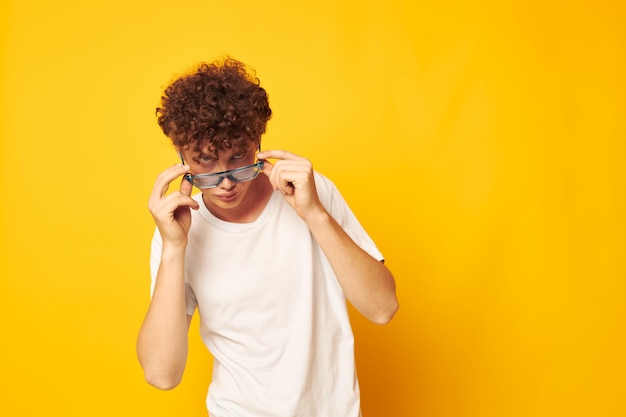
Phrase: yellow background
(481,143)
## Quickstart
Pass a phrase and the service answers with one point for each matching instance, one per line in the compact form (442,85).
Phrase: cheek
(243,187)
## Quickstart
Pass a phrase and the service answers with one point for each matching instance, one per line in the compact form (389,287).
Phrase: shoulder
(328,193)
(323,183)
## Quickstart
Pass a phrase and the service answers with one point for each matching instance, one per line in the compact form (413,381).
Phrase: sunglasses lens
(237,175)
(205,182)
(245,174)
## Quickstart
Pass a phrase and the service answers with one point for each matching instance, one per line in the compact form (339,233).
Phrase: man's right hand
(172,212)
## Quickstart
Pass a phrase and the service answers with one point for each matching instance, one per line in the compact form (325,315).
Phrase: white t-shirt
(272,312)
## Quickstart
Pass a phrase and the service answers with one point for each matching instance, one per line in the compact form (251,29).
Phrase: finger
(184,200)
(164,179)
(293,166)
(278,154)
(185,186)
(166,207)
(287,188)
(267,169)
(293,171)
(179,201)
(284,181)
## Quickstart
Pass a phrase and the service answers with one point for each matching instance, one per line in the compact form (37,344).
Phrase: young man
(267,253)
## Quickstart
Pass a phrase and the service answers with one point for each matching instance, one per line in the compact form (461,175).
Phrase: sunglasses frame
(221,175)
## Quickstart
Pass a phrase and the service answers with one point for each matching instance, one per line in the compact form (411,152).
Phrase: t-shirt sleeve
(155,261)
(336,205)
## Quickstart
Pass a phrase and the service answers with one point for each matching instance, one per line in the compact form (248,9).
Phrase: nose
(226,183)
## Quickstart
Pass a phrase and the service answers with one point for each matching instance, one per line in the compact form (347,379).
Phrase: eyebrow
(243,153)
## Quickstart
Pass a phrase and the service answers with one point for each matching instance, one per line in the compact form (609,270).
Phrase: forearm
(366,282)
(162,340)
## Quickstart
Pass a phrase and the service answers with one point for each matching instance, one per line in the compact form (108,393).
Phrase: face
(228,193)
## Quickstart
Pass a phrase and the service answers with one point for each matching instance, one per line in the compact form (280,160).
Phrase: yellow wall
(482,144)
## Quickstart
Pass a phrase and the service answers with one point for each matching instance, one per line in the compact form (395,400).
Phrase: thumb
(185,189)
(185,186)
(267,167)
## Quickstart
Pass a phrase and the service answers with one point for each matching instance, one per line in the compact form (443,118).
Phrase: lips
(226,197)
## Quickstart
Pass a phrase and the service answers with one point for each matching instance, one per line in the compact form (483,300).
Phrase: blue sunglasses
(242,174)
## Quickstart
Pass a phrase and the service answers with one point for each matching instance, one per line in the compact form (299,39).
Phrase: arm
(162,340)
(367,283)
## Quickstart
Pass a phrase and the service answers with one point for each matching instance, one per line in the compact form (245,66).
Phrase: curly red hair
(221,105)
